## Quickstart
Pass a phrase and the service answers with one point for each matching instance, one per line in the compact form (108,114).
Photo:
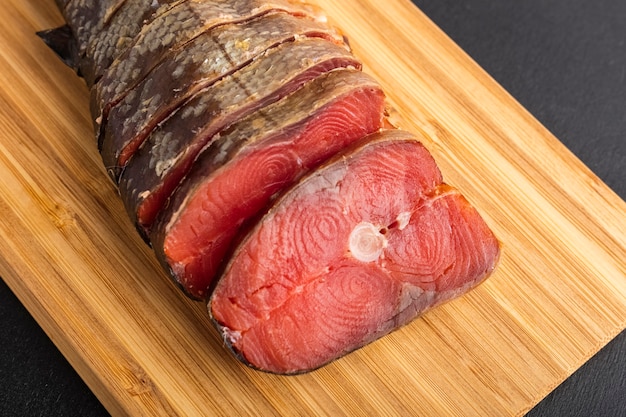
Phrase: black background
(564,60)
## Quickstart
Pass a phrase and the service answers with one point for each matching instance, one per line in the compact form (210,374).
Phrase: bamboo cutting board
(70,254)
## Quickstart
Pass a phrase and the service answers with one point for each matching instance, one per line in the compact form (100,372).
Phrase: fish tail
(63,42)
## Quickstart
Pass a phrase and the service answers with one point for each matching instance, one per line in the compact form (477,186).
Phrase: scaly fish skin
(256,158)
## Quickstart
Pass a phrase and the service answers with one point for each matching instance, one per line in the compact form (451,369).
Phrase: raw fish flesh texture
(168,153)
(357,249)
(254,159)
(313,262)
(129,116)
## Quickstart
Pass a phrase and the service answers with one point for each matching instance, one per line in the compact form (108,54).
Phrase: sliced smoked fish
(95,34)
(87,19)
(122,24)
(208,58)
(180,24)
(231,44)
(219,119)
(355,250)
(166,157)
(237,175)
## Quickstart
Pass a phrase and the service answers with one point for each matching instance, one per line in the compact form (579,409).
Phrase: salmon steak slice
(257,160)
(166,157)
(238,174)
(204,61)
(354,251)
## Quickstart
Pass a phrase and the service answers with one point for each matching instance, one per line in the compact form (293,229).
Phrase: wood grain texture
(70,254)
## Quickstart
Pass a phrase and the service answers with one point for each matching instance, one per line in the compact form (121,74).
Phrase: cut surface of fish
(235,178)
(199,64)
(165,158)
(355,250)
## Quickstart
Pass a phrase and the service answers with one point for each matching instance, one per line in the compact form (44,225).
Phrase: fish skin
(99,33)
(62,4)
(273,125)
(203,61)
(229,43)
(176,142)
(88,18)
(98,42)
(246,307)
(180,23)
(122,24)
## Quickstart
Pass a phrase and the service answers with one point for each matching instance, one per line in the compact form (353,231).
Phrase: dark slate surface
(565,61)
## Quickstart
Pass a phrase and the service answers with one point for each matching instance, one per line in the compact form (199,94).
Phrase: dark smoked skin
(123,25)
(178,25)
(229,37)
(203,61)
(166,156)
(103,28)
(274,125)
(61,4)
(186,95)
(88,19)
(432,247)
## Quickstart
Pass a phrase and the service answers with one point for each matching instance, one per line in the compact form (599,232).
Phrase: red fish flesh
(255,156)
(359,248)
(156,169)
(129,118)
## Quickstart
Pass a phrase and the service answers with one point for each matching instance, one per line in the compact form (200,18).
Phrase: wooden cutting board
(72,257)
